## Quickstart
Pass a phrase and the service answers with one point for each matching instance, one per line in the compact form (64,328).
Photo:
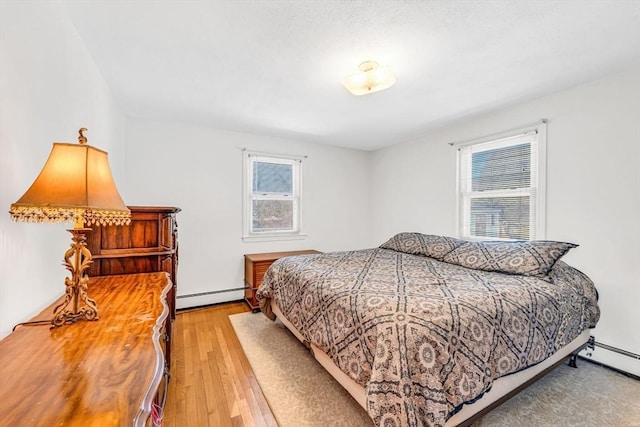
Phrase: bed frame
(502,389)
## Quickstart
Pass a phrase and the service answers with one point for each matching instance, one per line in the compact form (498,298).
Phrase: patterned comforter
(424,336)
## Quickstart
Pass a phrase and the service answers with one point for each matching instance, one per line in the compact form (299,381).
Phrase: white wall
(49,88)
(199,169)
(593,196)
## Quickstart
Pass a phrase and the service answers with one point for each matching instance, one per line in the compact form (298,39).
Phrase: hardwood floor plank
(238,386)
(217,409)
(249,409)
(212,383)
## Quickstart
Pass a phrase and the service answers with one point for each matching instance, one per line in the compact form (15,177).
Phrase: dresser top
(89,373)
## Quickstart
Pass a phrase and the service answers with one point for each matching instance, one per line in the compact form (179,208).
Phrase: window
(501,186)
(272,197)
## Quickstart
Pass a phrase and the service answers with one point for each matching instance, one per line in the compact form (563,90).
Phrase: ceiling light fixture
(371,78)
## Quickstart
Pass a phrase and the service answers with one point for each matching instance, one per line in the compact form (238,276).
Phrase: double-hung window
(271,197)
(501,186)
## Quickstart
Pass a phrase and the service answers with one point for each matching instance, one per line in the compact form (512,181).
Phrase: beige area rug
(301,393)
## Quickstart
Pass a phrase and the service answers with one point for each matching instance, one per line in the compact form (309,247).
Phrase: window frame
(537,134)
(248,233)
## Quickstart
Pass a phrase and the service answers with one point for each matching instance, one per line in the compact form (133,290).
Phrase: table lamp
(75,184)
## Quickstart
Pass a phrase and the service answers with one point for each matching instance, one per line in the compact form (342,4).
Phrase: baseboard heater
(618,350)
(612,349)
(200,294)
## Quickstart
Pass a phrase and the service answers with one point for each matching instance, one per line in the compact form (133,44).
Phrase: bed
(430,330)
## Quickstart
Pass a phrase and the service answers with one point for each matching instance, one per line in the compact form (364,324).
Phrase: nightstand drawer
(259,270)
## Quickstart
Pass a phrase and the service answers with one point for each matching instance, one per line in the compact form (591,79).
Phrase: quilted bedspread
(424,336)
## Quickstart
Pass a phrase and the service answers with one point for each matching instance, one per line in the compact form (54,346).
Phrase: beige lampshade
(371,78)
(75,183)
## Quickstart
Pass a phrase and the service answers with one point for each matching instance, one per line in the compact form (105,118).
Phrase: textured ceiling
(275,67)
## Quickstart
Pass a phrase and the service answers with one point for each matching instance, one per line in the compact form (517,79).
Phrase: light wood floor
(212,383)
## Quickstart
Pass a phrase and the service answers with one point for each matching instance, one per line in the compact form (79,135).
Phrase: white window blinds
(499,193)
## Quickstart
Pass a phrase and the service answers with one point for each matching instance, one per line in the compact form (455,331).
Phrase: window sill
(273,237)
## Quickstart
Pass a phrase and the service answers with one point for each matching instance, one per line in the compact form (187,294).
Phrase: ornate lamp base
(76,305)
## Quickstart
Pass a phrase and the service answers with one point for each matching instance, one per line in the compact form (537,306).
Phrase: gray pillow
(527,258)
(422,244)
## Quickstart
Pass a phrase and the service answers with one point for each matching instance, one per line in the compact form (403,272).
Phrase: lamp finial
(82,139)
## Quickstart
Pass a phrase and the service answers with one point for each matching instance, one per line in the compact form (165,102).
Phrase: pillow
(422,244)
(527,258)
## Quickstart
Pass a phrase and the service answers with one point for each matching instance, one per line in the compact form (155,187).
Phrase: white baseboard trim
(209,298)
(615,360)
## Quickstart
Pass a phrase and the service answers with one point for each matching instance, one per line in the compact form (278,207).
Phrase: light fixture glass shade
(371,78)
(75,183)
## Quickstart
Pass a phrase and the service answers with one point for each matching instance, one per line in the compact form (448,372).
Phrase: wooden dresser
(109,372)
(148,244)
(255,265)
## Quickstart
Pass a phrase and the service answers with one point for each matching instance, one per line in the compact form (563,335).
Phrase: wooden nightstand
(255,265)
